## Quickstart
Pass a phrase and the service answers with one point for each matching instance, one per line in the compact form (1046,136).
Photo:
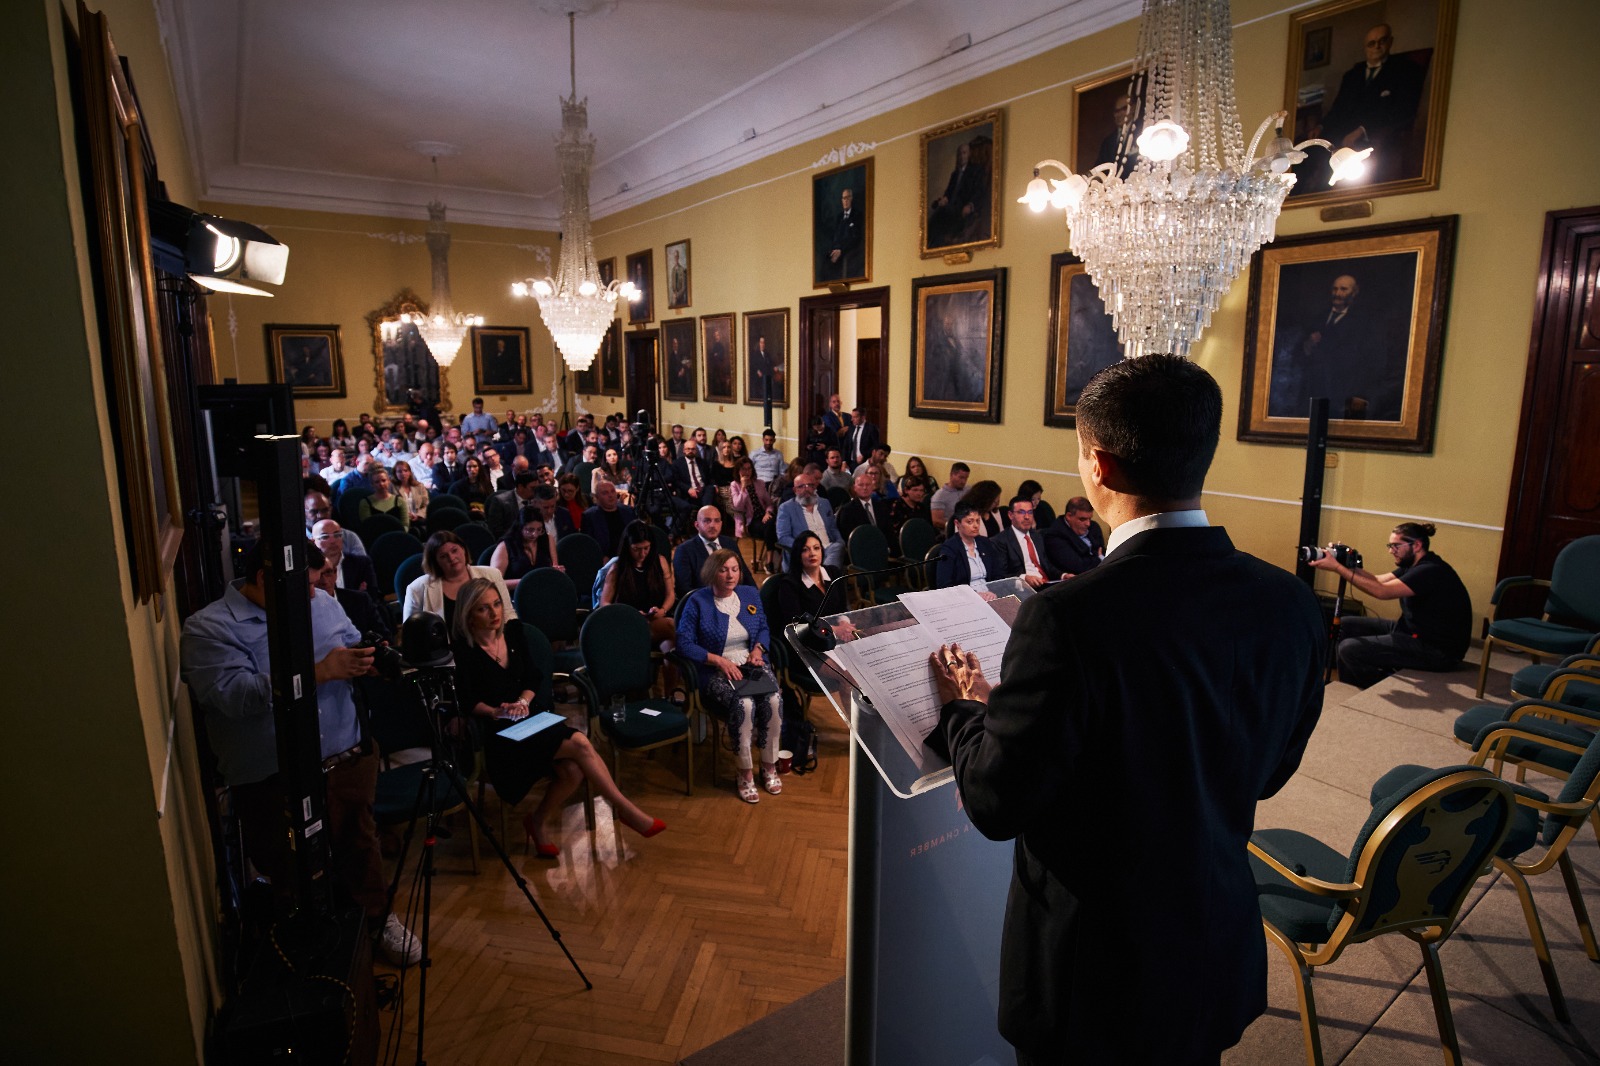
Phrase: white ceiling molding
(844,153)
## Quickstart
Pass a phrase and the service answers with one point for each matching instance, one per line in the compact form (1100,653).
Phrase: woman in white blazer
(444,573)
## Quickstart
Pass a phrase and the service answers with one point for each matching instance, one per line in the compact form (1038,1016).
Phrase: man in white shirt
(767,459)
(837,475)
(1028,557)
(808,511)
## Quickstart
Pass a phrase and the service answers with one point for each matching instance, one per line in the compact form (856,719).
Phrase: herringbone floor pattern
(731,913)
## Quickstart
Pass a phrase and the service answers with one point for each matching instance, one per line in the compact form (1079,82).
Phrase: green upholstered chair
(348,508)
(379,525)
(582,557)
(1571,609)
(388,552)
(1411,867)
(1574,680)
(868,551)
(1538,821)
(475,537)
(445,518)
(486,555)
(618,661)
(547,599)
(917,538)
(409,569)
(440,500)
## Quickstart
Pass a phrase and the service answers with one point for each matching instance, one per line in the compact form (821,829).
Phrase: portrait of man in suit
(717,336)
(641,271)
(959,185)
(765,335)
(1158,667)
(840,225)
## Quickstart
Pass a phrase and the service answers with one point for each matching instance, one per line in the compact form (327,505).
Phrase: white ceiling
(313,103)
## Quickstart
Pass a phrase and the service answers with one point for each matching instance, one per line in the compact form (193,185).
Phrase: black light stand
(435,687)
(1311,494)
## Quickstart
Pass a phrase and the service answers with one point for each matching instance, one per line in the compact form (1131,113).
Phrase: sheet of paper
(534,723)
(960,616)
(892,669)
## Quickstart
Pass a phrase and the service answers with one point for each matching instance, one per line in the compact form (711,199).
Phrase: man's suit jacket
(364,612)
(1066,550)
(447,474)
(854,514)
(691,555)
(951,567)
(358,572)
(869,441)
(503,510)
(792,523)
(681,480)
(563,522)
(1017,554)
(1142,711)
(594,524)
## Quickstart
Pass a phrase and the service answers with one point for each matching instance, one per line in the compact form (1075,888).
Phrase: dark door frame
(844,301)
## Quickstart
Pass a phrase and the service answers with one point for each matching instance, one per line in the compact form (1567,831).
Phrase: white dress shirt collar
(1161,520)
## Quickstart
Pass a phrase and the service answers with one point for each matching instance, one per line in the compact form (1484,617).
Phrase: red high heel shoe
(544,851)
(656,826)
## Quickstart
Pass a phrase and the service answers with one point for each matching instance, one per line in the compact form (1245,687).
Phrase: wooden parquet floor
(733,912)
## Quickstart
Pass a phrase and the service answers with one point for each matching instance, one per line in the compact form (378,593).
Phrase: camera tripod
(436,690)
(1333,630)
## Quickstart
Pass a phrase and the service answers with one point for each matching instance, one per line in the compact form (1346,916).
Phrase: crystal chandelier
(1164,243)
(444,330)
(576,307)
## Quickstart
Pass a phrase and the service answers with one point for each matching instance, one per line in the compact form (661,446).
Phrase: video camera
(1342,553)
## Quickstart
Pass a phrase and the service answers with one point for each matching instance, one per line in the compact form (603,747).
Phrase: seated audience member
(917,471)
(641,579)
(605,521)
(724,630)
(690,557)
(384,500)
(557,517)
(495,469)
(1435,623)
(913,503)
(571,502)
(884,486)
(691,477)
(943,503)
(1043,514)
(339,436)
(836,475)
(445,571)
(336,467)
(1074,543)
(879,457)
(724,465)
(526,546)
(502,509)
(768,459)
(225,661)
(969,557)
(801,587)
(863,509)
(984,497)
(809,511)
(422,464)
(1029,560)
(818,441)
(354,571)
(618,472)
(449,470)
(474,489)
(754,510)
(364,610)
(498,681)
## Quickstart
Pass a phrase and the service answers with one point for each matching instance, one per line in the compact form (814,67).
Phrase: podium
(927,891)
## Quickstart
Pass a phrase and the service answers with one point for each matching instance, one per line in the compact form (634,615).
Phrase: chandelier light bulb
(519,288)
(1348,164)
(588,288)
(1163,141)
(1068,193)
(1038,195)
(543,288)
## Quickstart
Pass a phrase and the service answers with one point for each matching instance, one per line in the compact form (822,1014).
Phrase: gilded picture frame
(720,347)
(641,271)
(308,358)
(680,360)
(958,345)
(962,179)
(680,279)
(841,237)
(766,356)
(1082,340)
(502,361)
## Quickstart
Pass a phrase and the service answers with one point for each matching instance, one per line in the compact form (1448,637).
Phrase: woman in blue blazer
(723,628)
(969,557)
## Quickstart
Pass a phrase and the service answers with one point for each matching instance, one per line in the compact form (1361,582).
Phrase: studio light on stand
(221,254)
(576,307)
(1166,242)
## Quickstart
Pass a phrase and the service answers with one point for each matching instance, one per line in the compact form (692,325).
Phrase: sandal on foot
(770,781)
(747,790)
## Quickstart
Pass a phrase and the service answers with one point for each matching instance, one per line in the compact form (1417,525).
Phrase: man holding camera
(1435,623)
(225,664)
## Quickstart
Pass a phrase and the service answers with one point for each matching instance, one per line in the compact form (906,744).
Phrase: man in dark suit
(361,607)
(691,477)
(692,554)
(504,508)
(548,499)
(845,257)
(1347,353)
(964,205)
(858,439)
(606,520)
(350,571)
(863,510)
(1074,544)
(1021,541)
(449,471)
(1376,105)
(1181,665)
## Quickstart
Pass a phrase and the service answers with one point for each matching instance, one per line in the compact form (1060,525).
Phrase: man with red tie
(1029,561)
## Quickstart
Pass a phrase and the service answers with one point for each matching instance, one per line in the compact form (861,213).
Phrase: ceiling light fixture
(443,330)
(1165,243)
(575,306)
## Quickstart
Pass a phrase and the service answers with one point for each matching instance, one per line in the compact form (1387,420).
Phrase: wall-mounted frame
(766,353)
(608,270)
(958,345)
(1105,122)
(721,350)
(679,278)
(841,225)
(1082,340)
(308,358)
(403,362)
(680,363)
(961,182)
(124,281)
(641,271)
(1357,316)
(501,359)
(609,360)
(1398,111)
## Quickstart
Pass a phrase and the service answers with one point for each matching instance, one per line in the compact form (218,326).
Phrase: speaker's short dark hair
(1161,415)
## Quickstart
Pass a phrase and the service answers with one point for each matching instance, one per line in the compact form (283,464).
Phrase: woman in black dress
(474,488)
(803,586)
(641,579)
(497,681)
(527,545)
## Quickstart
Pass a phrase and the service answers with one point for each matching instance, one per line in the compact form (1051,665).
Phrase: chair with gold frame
(1537,820)
(1411,868)
(1571,618)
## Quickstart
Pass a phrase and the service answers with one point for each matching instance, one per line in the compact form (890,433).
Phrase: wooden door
(819,356)
(819,359)
(869,380)
(639,362)
(1555,482)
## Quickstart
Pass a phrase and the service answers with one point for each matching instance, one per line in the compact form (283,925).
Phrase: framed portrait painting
(721,354)
(608,270)
(1370,74)
(308,358)
(841,225)
(609,360)
(958,345)
(679,365)
(500,359)
(766,354)
(679,279)
(1356,316)
(1082,341)
(961,185)
(1105,120)
(641,271)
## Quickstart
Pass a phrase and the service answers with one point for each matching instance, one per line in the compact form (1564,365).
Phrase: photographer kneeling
(1435,623)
